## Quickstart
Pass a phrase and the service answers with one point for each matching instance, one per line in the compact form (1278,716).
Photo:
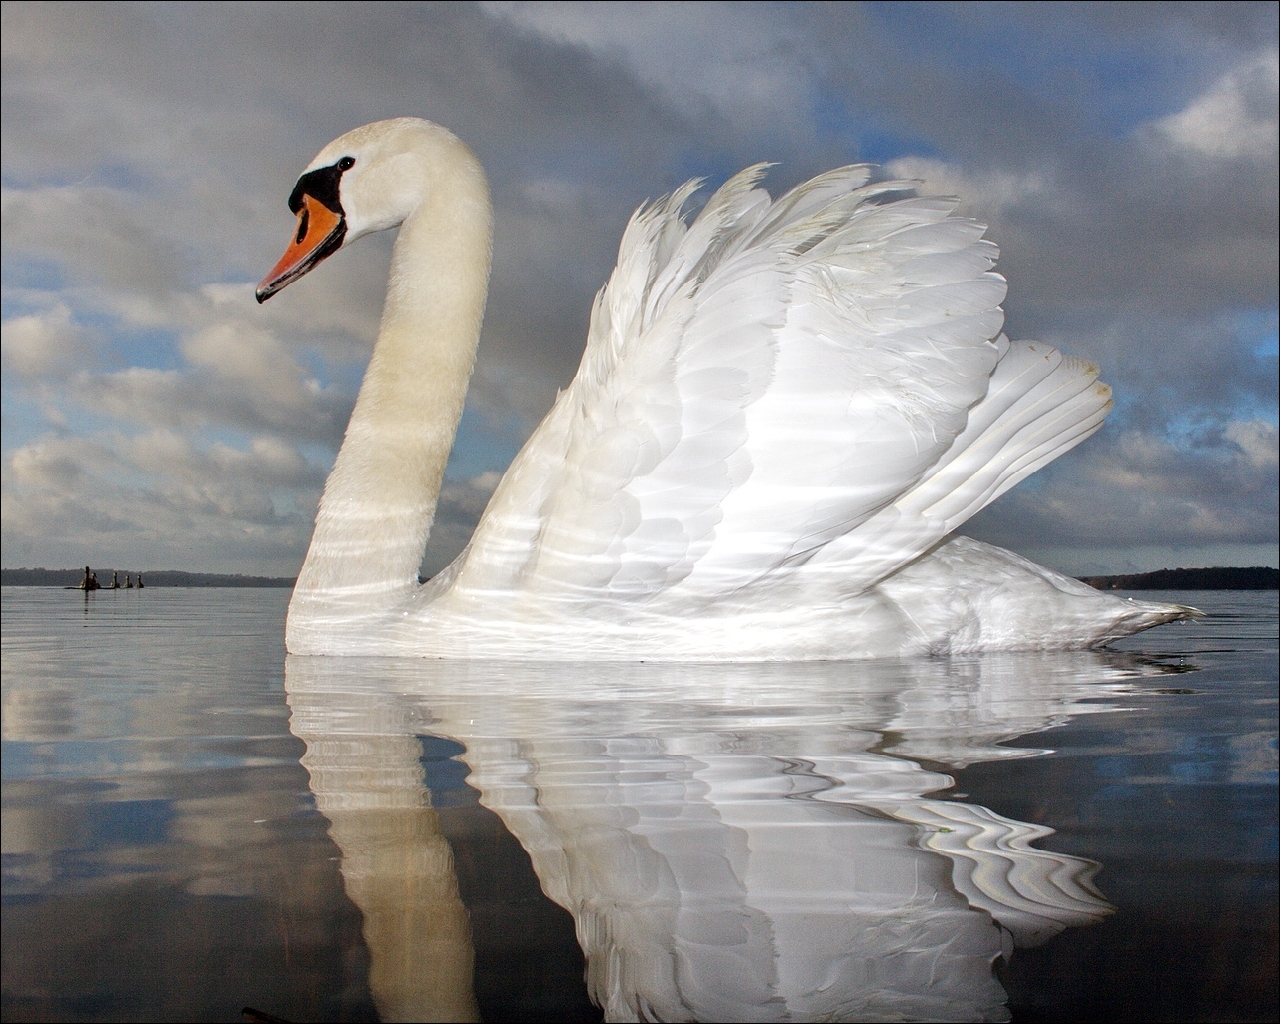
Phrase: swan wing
(756,386)
(1039,404)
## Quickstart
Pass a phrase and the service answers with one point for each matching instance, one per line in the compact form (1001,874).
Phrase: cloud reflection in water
(734,842)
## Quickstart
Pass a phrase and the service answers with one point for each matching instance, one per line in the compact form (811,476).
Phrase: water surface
(193,824)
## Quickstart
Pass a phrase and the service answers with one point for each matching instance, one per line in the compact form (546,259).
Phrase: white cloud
(58,464)
(44,344)
(1257,440)
(985,195)
(156,500)
(1235,118)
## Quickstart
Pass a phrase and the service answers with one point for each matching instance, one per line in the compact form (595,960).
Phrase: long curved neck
(380,499)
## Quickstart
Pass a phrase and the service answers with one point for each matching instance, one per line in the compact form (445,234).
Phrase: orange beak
(320,233)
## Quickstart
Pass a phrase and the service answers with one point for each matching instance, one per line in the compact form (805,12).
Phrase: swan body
(783,411)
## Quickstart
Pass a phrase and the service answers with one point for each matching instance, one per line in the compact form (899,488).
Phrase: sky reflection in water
(733,842)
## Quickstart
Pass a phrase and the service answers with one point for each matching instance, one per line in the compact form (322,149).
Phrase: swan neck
(379,502)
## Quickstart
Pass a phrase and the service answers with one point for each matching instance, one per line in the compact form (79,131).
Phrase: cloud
(1214,486)
(1256,440)
(229,375)
(461,505)
(94,235)
(740,65)
(44,344)
(56,464)
(1124,159)
(155,500)
(1235,118)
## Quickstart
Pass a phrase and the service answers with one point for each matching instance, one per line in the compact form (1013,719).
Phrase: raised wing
(756,385)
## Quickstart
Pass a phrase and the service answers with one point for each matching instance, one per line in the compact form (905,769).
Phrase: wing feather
(813,386)
(1039,405)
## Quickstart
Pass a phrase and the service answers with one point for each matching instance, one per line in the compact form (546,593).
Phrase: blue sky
(1124,156)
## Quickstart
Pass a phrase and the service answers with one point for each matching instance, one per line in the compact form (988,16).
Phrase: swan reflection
(734,842)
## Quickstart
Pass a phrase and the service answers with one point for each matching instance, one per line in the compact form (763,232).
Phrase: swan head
(368,180)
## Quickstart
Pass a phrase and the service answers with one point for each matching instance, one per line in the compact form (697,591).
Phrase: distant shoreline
(154,578)
(1256,577)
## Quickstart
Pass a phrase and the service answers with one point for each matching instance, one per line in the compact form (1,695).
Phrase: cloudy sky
(1124,155)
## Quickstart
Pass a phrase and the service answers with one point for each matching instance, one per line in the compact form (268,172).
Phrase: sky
(1124,157)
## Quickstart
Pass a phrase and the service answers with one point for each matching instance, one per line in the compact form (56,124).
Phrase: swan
(783,411)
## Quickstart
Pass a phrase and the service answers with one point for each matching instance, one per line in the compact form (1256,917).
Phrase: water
(192,825)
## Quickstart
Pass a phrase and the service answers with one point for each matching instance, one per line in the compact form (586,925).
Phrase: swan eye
(303,222)
(346,163)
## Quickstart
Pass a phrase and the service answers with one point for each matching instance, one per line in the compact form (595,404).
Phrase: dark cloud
(460,507)
(1135,499)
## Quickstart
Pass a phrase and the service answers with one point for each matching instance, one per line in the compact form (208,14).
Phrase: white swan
(782,411)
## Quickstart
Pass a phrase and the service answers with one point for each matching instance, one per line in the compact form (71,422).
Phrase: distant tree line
(159,578)
(1231,577)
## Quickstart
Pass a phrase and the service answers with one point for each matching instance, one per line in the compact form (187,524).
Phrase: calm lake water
(193,824)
